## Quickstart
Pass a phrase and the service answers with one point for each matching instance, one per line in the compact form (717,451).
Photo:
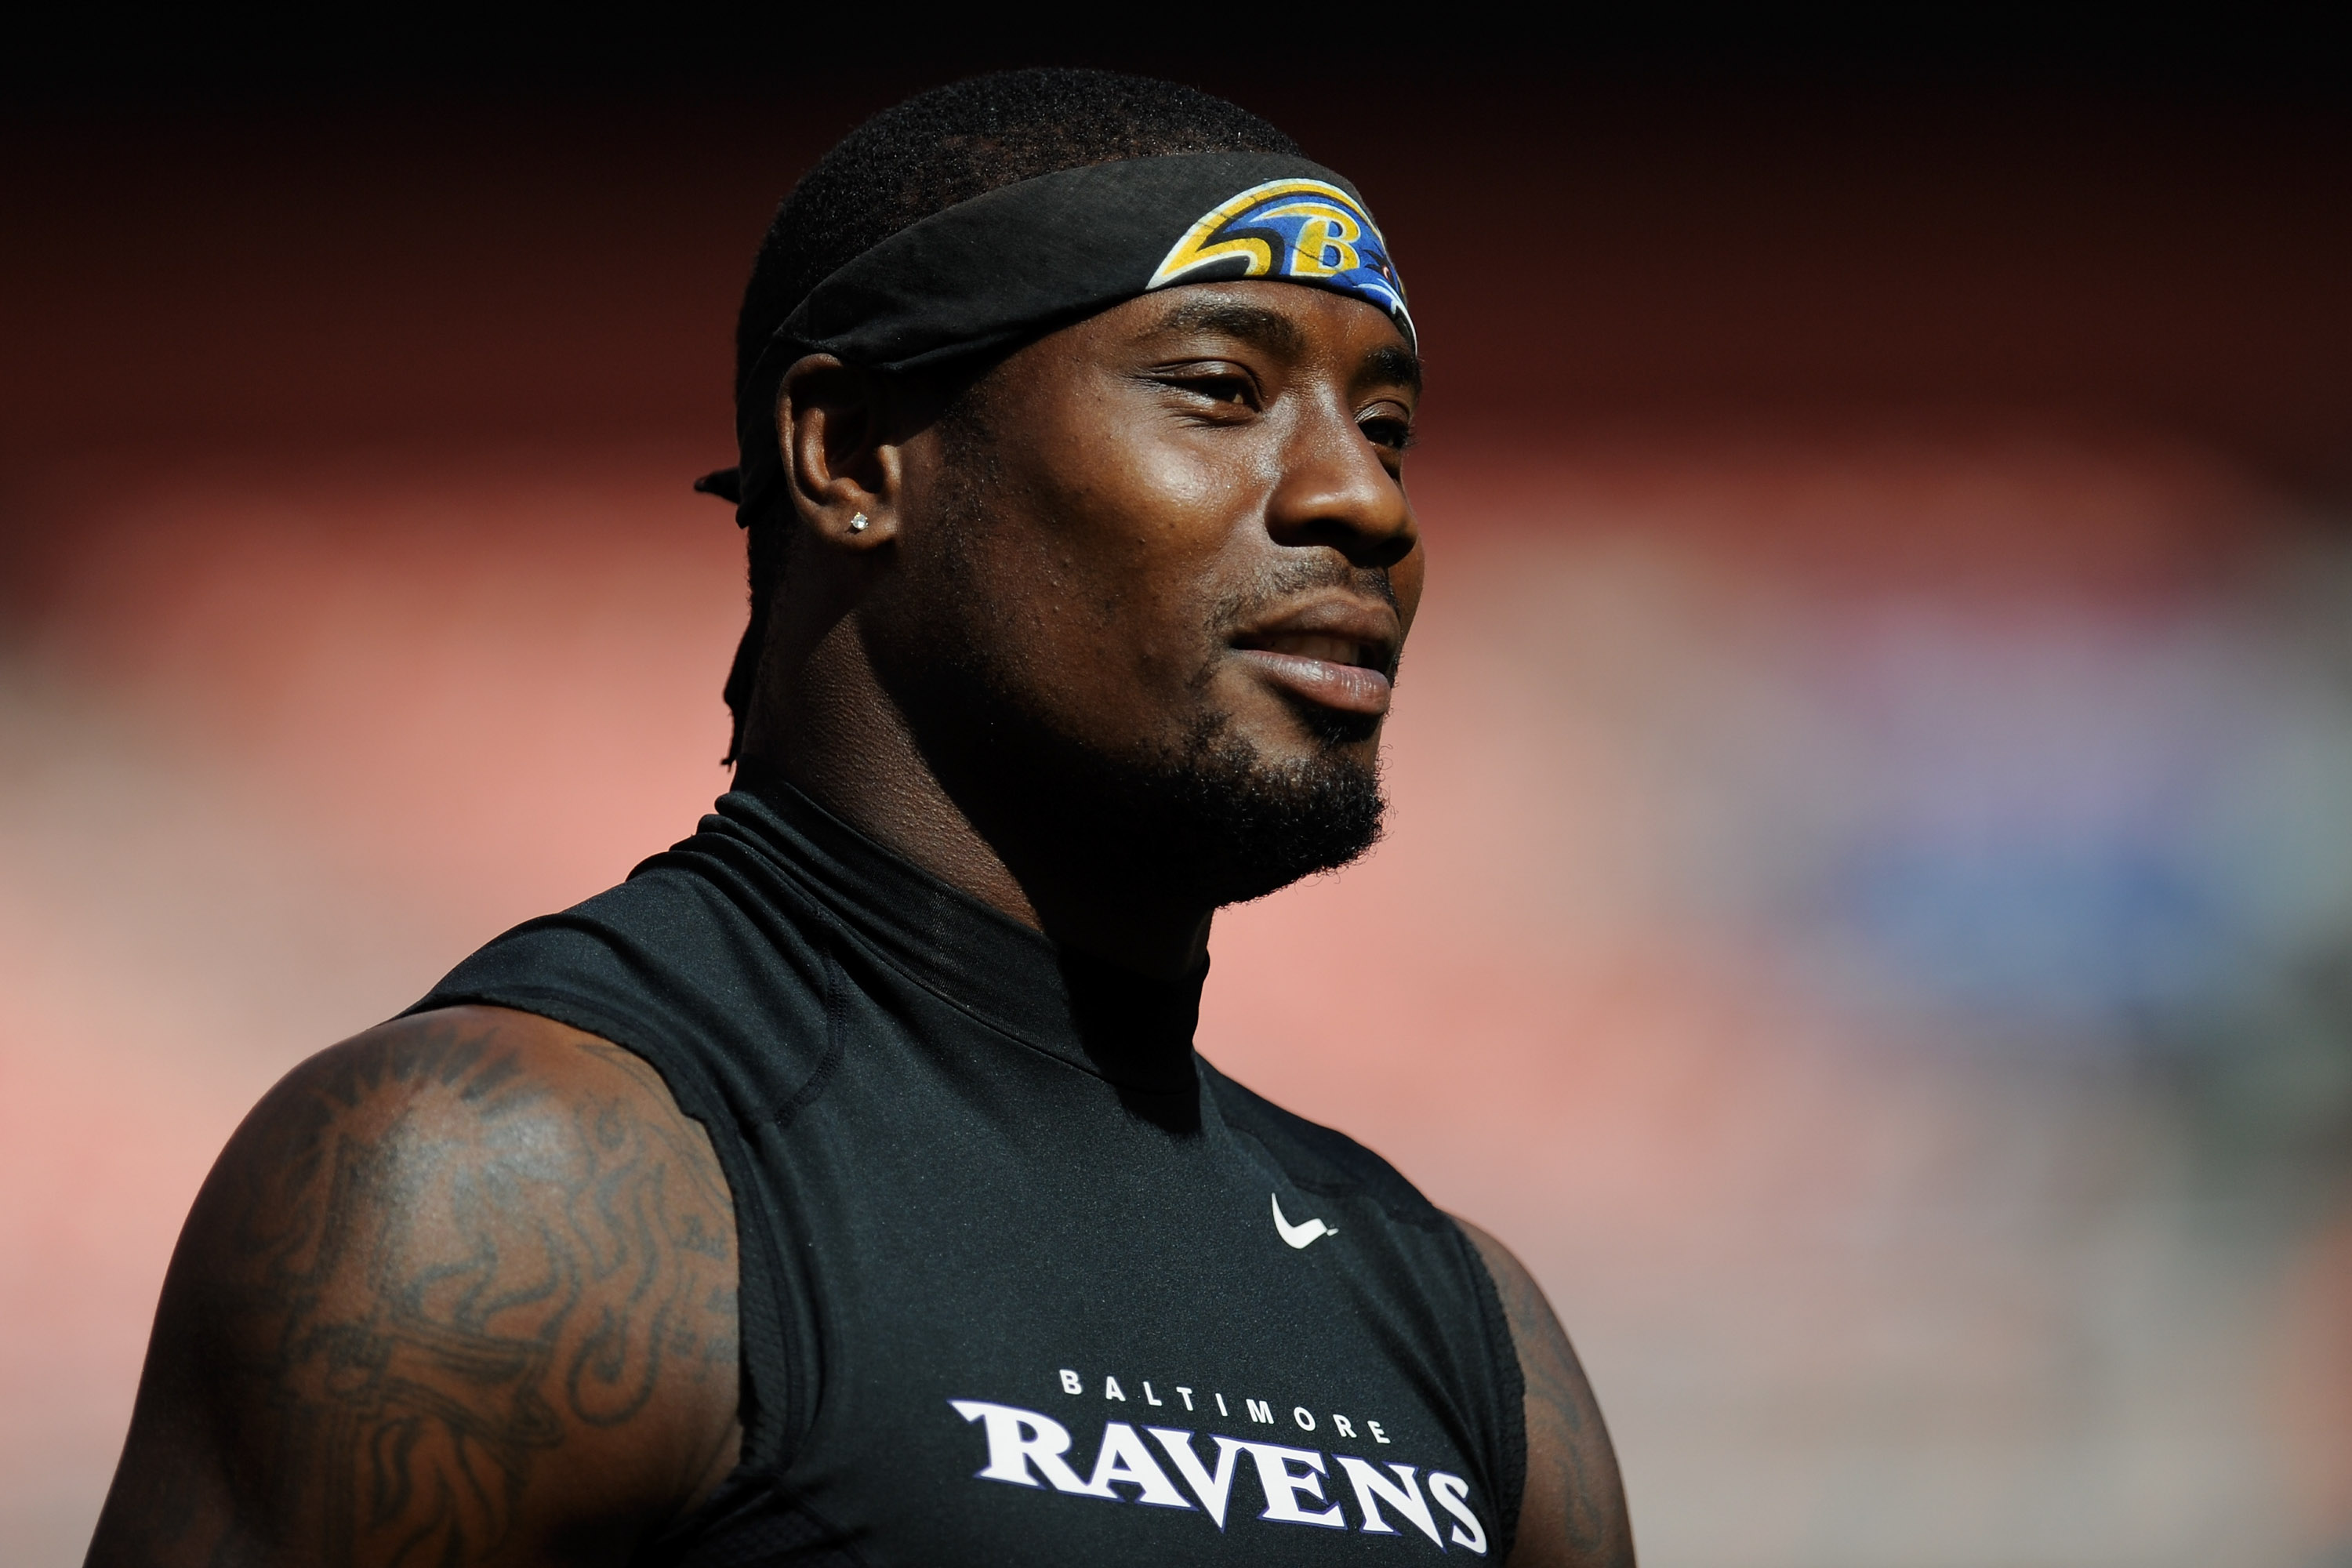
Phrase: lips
(1334,653)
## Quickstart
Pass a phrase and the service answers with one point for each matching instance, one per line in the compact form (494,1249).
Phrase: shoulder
(493,1062)
(1572,1512)
(1320,1159)
(457,1095)
(457,1286)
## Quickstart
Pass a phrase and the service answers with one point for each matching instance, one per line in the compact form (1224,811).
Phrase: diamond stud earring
(857,523)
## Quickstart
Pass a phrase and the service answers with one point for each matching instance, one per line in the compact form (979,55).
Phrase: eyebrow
(1391,364)
(1269,330)
(1277,333)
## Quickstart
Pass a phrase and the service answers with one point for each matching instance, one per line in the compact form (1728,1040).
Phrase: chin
(1227,822)
(1236,801)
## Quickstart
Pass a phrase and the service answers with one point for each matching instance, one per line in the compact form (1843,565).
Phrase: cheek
(1197,483)
(1130,559)
(1152,506)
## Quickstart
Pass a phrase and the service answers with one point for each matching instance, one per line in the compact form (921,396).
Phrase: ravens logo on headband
(1304,231)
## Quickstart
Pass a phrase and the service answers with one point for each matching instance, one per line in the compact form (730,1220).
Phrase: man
(844,1188)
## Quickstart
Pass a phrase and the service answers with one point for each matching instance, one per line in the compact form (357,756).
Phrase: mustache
(1294,579)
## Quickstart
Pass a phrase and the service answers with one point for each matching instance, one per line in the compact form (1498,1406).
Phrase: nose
(1335,491)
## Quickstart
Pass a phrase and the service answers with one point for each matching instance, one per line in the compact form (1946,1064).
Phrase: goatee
(1210,820)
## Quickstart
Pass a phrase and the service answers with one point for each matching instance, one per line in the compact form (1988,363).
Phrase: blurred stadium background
(1868,911)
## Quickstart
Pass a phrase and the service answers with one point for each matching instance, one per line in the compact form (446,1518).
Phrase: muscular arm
(460,1291)
(1573,1515)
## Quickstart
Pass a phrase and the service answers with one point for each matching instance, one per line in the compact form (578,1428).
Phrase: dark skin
(461,1289)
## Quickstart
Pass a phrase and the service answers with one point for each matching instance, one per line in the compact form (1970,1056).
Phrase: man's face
(1160,566)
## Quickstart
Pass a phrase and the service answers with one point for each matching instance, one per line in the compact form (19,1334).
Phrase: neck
(830,729)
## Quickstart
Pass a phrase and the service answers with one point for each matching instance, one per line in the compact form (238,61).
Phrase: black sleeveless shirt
(1024,1279)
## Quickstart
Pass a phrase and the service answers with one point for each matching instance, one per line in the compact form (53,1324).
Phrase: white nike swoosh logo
(1299,1234)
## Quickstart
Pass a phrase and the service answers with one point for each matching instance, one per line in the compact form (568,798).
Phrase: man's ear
(842,470)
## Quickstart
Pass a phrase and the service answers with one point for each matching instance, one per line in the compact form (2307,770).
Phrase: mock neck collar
(1134,1031)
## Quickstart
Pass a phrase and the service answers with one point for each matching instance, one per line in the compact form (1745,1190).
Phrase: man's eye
(1233,389)
(1387,430)
(1225,386)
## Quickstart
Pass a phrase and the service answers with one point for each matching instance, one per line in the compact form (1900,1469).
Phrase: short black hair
(927,154)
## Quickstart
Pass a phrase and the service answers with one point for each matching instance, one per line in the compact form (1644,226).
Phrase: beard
(1212,820)
(1208,820)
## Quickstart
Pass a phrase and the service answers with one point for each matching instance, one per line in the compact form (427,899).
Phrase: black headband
(985,273)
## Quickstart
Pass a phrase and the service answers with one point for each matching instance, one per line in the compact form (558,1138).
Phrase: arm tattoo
(432,1267)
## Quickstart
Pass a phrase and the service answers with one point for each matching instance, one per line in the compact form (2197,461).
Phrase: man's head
(1132,589)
